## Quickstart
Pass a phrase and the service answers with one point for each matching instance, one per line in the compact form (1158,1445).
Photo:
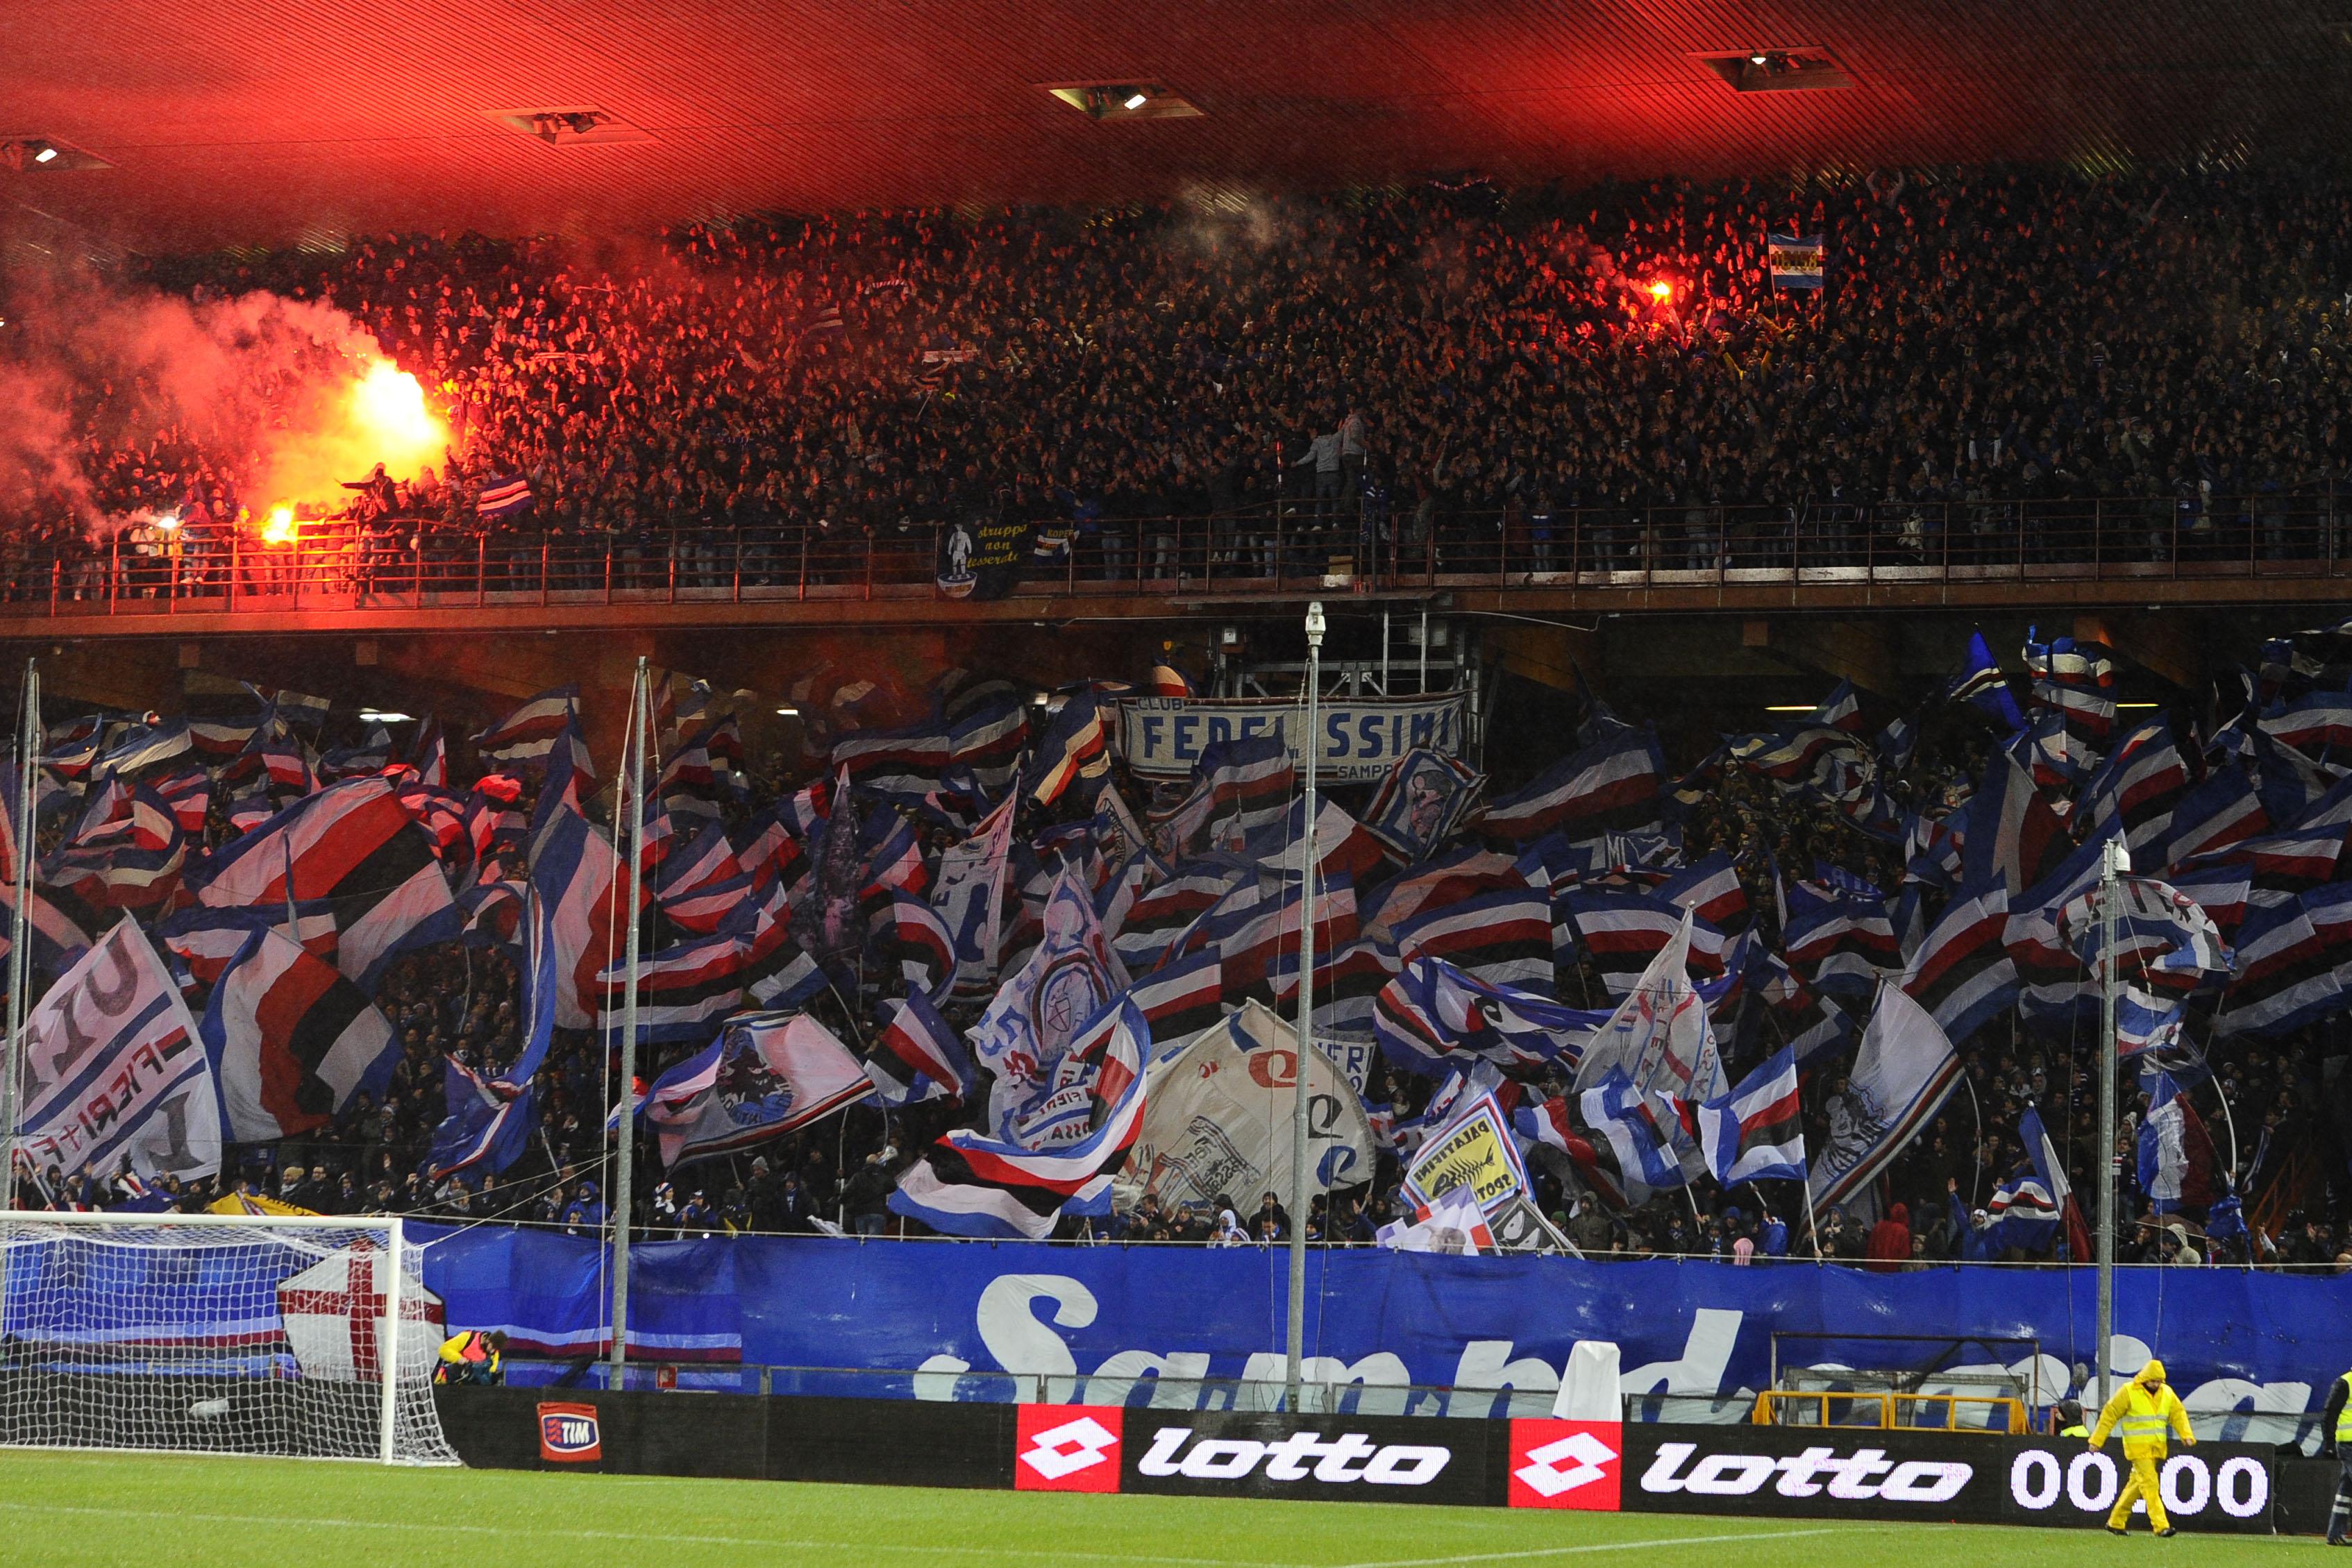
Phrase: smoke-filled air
(275,402)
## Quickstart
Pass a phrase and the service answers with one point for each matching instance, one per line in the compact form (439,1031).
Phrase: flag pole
(2113,861)
(20,967)
(1295,1339)
(623,1199)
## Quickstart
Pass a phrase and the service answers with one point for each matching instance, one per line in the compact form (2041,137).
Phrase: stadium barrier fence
(1276,549)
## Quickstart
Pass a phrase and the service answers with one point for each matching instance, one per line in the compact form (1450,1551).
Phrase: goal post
(293,1336)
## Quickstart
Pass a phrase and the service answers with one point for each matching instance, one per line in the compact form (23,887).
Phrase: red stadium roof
(246,120)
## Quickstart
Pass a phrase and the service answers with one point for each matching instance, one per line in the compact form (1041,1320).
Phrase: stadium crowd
(1465,370)
(1458,370)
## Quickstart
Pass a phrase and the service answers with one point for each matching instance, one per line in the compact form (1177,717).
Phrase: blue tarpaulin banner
(1093,1320)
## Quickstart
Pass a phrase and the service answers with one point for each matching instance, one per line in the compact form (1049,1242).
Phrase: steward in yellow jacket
(472,1356)
(2145,1411)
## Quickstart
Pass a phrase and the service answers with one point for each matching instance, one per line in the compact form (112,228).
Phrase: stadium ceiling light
(29,151)
(1777,70)
(1129,99)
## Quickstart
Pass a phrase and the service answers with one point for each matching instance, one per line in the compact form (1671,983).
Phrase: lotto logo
(568,1434)
(1565,1464)
(1066,1447)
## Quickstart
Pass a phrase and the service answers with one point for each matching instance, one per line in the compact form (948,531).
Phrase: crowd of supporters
(1472,367)
(2269,1103)
(1450,367)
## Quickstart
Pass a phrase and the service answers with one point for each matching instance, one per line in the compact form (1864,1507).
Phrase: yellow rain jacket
(2144,1411)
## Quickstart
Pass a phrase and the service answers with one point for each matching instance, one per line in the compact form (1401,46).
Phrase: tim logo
(1066,1447)
(1565,1464)
(568,1434)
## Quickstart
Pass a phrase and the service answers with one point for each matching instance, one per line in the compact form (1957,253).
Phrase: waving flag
(2141,784)
(1177,1000)
(579,879)
(2221,811)
(905,935)
(1962,973)
(57,940)
(2175,1153)
(2009,833)
(682,992)
(1611,785)
(129,860)
(1623,931)
(489,1116)
(1472,1150)
(1067,980)
(1499,938)
(969,896)
(1756,1133)
(970,1185)
(1843,942)
(767,1074)
(503,497)
(1610,1157)
(292,1041)
(2311,722)
(1659,1037)
(2163,940)
(706,771)
(1424,796)
(1433,1016)
(222,714)
(1711,889)
(528,733)
(917,1056)
(144,745)
(1074,746)
(2077,681)
(1981,685)
(707,862)
(2285,976)
(1249,781)
(1901,1076)
(354,845)
(1797,261)
(1219,1120)
(1348,984)
(114,1066)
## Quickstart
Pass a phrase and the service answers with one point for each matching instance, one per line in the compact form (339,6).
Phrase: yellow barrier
(1884,1411)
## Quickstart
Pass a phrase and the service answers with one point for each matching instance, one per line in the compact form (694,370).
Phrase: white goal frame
(396,1255)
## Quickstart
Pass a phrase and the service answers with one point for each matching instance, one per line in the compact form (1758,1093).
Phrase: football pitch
(87,1510)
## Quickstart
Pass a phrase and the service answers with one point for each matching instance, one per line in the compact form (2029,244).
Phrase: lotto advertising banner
(1336,1458)
(1740,1471)
(1162,737)
(1753,1472)
(1094,1324)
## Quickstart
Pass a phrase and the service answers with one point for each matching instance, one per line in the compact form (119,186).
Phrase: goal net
(218,1335)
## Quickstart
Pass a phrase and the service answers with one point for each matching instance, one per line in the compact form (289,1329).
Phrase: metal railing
(393,563)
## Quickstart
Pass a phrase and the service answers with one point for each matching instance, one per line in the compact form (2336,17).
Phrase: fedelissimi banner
(1162,737)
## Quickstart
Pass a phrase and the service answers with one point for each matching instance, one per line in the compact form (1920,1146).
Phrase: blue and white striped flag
(504,497)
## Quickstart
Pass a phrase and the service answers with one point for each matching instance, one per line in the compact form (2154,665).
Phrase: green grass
(69,1511)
